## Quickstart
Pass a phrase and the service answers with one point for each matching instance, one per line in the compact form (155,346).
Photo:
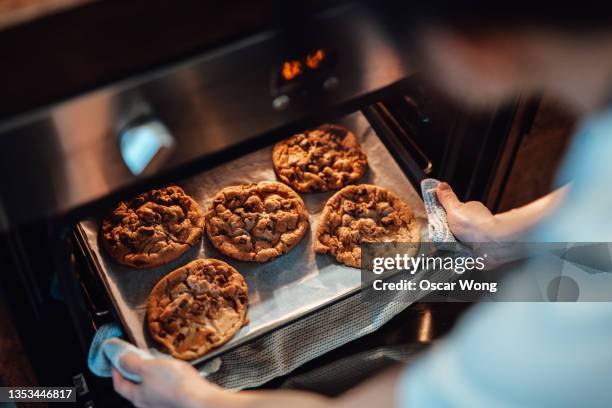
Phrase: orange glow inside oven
(313,61)
(291,69)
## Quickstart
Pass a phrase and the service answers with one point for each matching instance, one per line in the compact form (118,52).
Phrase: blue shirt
(534,354)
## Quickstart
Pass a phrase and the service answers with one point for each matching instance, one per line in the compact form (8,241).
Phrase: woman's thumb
(447,197)
(132,363)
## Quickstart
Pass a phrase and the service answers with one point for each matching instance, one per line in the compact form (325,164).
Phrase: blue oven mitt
(107,349)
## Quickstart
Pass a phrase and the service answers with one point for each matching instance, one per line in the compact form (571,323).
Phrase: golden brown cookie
(152,229)
(197,307)
(256,222)
(321,159)
(363,213)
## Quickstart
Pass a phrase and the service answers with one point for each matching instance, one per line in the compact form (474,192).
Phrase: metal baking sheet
(279,291)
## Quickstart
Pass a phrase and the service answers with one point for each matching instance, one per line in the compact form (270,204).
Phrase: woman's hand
(473,224)
(470,222)
(166,383)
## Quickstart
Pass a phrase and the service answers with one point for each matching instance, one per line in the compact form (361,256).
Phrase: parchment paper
(279,291)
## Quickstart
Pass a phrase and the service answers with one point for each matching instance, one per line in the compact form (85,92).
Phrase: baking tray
(280,291)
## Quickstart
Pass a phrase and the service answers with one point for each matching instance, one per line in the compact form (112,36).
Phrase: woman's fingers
(447,197)
(132,362)
(125,388)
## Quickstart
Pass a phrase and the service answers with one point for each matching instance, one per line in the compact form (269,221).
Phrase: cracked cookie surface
(153,228)
(256,222)
(321,159)
(363,213)
(197,308)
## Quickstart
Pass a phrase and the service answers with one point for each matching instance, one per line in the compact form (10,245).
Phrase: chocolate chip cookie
(152,229)
(363,213)
(197,308)
(326,158)
(256,222)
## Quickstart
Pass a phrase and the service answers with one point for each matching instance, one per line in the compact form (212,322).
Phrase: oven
(73,159)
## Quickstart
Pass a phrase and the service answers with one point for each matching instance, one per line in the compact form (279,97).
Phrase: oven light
(291,69)
(140,144)
(314,60)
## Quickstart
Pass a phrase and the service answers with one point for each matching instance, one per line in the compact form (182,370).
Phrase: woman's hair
(475,15)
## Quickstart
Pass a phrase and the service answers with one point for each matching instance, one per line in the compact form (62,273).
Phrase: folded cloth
(439,231)
(107,349)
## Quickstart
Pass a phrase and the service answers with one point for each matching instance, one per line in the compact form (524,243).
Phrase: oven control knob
(281,102)
(331,83)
